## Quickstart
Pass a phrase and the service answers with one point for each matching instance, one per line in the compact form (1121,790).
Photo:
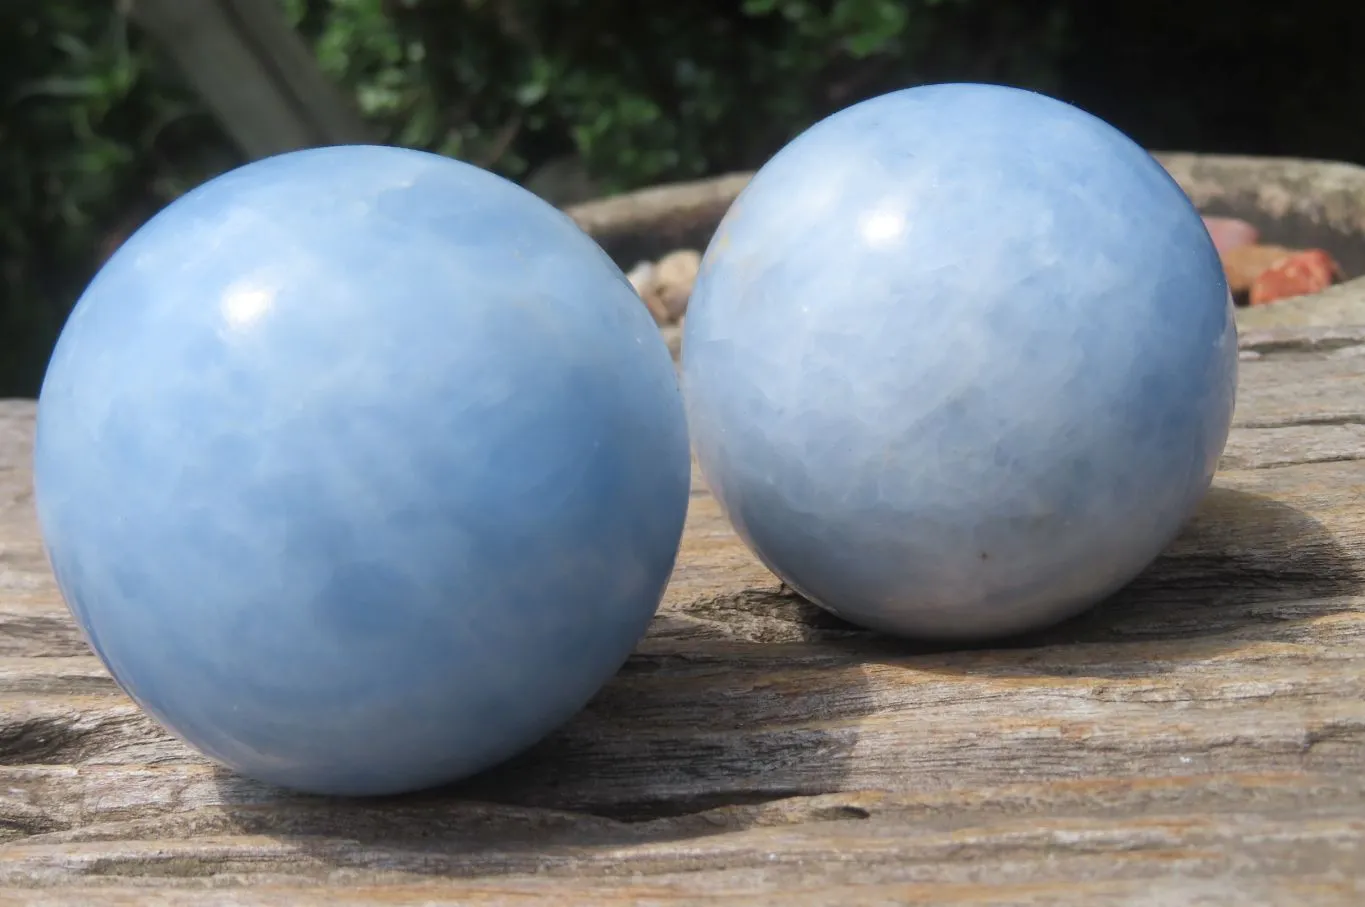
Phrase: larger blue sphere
(960,361)
(362,469)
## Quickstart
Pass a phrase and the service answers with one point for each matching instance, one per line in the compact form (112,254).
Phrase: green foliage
(93,134)
(98,130)
(644,92)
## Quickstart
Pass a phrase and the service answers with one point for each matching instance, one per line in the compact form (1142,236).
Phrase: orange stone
(1297,274)
(1243,264)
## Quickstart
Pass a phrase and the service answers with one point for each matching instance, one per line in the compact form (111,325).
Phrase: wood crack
(1329,419)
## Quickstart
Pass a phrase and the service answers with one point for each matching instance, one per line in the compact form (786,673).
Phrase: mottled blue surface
(361,468)
(960,362)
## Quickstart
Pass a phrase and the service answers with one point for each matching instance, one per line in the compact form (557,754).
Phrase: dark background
(582,97)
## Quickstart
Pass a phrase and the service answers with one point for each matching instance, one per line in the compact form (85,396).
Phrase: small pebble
(666,285)
(1231,233)
(1296,274)
(674,276)
(641,277)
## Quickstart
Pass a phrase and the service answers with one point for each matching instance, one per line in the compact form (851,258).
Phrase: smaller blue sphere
(362,469)
(960,361)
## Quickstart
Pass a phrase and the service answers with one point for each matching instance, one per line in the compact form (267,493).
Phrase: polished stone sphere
(960,362)
(362,469)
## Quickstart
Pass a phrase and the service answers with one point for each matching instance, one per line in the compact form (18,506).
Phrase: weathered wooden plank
(1041,834)
(256,75)
(1341,304)
(1198,739)
(1232,890)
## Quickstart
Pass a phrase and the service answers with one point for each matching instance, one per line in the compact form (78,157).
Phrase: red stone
(1297,274)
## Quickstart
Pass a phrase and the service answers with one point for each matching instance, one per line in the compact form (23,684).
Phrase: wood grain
(1199,739)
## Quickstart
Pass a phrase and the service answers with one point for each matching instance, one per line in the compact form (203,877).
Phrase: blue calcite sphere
(960,362)
(361,468)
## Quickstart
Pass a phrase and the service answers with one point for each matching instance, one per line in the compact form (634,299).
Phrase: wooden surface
(256,75)
(1198,740)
